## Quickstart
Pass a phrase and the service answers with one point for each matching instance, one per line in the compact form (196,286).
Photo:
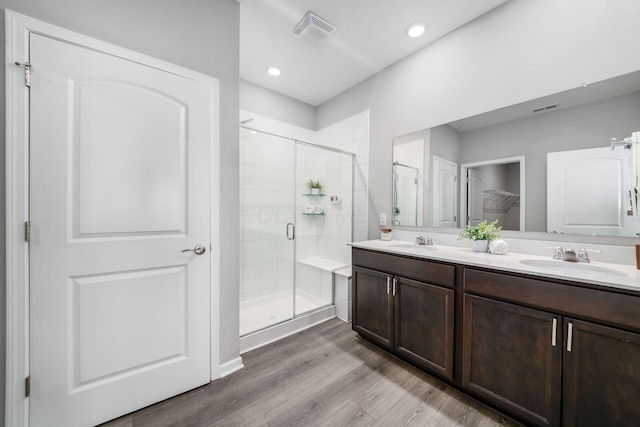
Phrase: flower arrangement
(483,231)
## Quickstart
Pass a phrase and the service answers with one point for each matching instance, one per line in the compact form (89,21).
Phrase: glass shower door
(267,209)
(323,224)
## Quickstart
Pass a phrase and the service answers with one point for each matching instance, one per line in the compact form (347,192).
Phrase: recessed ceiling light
(274,71)
(416,29)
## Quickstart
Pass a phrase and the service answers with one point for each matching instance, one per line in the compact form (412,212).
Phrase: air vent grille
(545,108)
(313,29)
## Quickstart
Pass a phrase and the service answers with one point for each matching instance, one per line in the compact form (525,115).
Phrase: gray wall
(500,59)
(263,101)
(202,35)
(588,126)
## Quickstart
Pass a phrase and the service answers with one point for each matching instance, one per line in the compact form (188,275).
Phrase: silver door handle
(291,235)
(198,250)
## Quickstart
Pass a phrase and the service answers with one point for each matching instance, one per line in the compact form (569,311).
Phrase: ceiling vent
(545,108)
(313,29)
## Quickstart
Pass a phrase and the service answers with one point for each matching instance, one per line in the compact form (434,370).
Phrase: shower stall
(405,194)
(292,238)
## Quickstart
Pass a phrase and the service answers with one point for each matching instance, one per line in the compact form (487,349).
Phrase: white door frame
(463,186)
(17,29)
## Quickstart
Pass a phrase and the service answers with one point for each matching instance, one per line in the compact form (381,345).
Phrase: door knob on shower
(198,250)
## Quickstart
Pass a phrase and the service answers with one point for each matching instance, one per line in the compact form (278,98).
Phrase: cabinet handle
(569,336)
(554,332)
(395,286)
(388,284)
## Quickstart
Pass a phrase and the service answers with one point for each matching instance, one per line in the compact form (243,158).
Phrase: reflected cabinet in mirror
(565,163)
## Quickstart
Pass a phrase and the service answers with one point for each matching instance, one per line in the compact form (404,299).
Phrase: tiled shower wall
(269,200)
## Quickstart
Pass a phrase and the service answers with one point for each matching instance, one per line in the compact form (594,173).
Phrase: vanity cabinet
(413,319)
(548,352)
(601,375)
(512,357)
(525,350)
(372,314)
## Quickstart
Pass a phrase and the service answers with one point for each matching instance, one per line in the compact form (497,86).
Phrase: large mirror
(546,165)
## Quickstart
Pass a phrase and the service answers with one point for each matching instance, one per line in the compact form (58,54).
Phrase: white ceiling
(369,36)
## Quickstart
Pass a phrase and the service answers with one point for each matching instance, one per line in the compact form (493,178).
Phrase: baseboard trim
(276,332)
(231,366)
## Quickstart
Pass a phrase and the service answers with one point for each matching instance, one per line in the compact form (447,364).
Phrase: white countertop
(596,273)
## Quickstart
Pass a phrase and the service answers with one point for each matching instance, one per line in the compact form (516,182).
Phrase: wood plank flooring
(324,376)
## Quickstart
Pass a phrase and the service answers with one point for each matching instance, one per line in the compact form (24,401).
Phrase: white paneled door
(120,188)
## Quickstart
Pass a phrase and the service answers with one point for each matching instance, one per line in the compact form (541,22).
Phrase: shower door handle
(291,227)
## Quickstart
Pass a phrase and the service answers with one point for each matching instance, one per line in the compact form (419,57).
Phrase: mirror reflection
(591,189)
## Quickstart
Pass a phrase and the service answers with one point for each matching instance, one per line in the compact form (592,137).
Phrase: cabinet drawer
(425,271)
(608,307)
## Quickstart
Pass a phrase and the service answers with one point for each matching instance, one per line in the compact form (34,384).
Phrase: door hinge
(27,72)
(27,386)
(27,231)
(455,218)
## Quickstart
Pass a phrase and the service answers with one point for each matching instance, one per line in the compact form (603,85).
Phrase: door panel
(148,122)
(586,191)
(120,186)
(373,306)
(474,195)
(601,377)
(510,358)
(445,193)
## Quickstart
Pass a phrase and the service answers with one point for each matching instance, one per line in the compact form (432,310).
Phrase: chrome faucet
(421,240)
(558,254)
(571,256)
(583,255)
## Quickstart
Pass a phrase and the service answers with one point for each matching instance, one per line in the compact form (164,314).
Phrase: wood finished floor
(324,376)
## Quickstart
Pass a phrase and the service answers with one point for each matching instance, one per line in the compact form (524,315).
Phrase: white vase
(315,191)
(480,245)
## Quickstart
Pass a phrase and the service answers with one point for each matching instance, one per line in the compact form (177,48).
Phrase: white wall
(198,34)
(265,102)
(520,51)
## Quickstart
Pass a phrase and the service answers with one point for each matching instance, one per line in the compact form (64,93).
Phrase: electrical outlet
(383,219)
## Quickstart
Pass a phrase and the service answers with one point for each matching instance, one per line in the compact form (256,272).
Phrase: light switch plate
(383,219)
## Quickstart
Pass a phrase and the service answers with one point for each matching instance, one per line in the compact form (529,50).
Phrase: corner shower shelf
(313,214)
(322,263)
(310,194)
(499,201)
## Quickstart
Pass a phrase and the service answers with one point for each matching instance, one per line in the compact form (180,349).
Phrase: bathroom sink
(412,247)
(573,268)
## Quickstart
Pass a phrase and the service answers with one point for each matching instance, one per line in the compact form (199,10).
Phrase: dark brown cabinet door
(513,357)
(601,377)
(424,325)
(372,306)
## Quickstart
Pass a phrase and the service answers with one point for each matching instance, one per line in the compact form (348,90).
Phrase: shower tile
(269,251)
(285,272)
(285,250)
(360,203)
(269,179)
(360,228)
(250,202)
(251,151)
(286,156)
(270,153)
(250,176)
(268,275)
(251,276)
(251,253)
(250,228)
(360,177)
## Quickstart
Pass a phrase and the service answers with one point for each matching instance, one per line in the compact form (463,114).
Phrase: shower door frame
(298,143)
